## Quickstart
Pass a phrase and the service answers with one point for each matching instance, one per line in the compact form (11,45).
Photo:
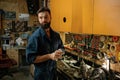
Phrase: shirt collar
(44,33)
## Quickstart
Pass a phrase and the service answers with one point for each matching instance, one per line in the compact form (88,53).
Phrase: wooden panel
(106,17)
(87,16)
(65,11)
(61,9)
(55,13)
(76,16)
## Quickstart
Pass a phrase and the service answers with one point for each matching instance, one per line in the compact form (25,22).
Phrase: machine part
(102,74)
(89,72)
(83,69)
(73,61)
(113,47)
(107,46)
(76,74)
(90,55)
(98,74)
(100,55)
(101,44)
(112,59)
(115,38)
(102,38)
(110,38)
(65,64)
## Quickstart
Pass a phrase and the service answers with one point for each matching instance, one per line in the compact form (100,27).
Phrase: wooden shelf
(115,67)
(85,57)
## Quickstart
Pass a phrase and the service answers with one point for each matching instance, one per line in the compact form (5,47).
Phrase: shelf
(85,57)
(113,66)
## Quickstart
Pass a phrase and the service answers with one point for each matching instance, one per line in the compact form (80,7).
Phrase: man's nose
(44,19)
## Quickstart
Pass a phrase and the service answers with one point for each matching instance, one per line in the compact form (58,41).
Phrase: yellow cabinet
(87,16)
(55,13)
(76,16)
(66,15)
(61,10)
(106,17)
(77,13)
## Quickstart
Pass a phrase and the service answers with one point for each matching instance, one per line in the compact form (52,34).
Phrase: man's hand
(56,55)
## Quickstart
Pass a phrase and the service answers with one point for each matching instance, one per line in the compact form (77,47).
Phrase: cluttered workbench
(76,66)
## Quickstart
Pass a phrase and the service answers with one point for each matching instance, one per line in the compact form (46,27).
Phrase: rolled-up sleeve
(31,50)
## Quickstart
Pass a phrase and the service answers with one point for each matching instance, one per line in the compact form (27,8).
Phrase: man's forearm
(42,58)
(53,56)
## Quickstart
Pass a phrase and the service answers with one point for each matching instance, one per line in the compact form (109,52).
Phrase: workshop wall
(12,26)
(94,44)
(95,47)
(18,6)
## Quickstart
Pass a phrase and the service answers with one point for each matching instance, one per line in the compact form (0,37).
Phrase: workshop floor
(18,76)
(21,74)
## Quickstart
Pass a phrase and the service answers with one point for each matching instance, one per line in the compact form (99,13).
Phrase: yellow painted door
(87,16)
(61,9)
(65,13)
(55,13)
(76,16)
(106,17)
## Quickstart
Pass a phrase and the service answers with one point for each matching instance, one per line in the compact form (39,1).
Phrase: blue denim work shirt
(40,44)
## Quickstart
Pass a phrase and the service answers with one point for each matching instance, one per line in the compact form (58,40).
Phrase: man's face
(44,19)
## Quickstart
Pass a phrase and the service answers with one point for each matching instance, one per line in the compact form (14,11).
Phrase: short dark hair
(43,9)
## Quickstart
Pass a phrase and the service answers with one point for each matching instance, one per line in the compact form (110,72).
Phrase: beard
(45,26)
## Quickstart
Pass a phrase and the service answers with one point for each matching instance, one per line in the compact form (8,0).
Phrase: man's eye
(46,17)
(40,17)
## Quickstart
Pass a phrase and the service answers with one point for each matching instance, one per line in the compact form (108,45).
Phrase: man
(44,48)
